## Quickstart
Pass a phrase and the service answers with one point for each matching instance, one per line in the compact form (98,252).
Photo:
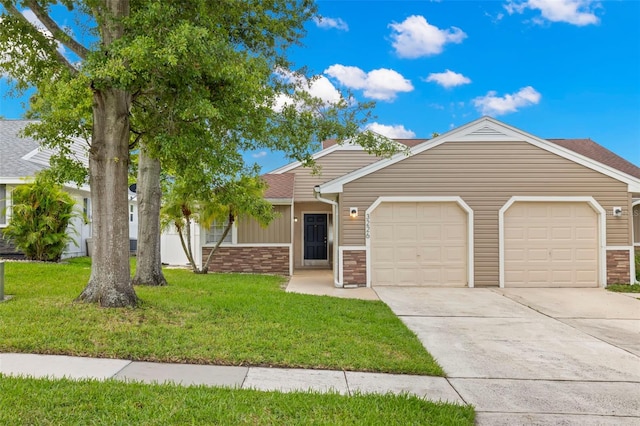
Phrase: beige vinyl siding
(333,165)
(485,175)
(278,231)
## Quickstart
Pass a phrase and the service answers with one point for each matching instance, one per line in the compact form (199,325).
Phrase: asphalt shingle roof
(597,152)
(279,186)
(13,148)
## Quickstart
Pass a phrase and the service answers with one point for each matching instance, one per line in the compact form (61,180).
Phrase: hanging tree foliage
(193,83)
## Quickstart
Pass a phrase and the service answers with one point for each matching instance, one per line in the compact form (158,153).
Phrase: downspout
(336,219)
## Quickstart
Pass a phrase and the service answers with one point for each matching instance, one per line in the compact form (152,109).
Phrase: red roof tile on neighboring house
(591,149)
(279,186)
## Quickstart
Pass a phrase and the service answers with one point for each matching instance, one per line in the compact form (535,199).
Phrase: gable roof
(279,185)
(330,145)
(408,142)
(591,149)
(14,148)
(490,129)
(22,156)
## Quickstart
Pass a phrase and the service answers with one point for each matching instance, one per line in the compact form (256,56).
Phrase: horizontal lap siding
(278,231)
(332,165)
(485,175)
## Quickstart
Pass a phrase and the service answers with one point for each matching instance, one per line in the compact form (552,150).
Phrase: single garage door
(419,244)
(550,245)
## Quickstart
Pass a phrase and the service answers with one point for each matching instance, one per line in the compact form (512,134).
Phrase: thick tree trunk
(110,281)
(149,263)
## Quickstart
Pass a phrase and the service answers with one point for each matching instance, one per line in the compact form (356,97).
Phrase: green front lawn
(65,402)
(227,319)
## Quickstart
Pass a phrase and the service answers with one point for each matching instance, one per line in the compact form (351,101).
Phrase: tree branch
(57,32)
(59,56)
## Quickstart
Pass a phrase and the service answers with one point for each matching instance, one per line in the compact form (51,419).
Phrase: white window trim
(234,237)
(602,229)
(8,191)
(425,199)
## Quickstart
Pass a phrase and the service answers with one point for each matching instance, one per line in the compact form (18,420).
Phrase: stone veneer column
(618,267)
(354,263)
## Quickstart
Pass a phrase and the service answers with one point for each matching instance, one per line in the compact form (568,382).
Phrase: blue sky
(553,68)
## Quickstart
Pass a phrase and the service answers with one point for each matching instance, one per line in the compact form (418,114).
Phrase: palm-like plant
(243,196)
(41,213)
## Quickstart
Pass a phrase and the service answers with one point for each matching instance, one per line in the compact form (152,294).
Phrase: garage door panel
(404,212)
(589,255)
(454,255)
(419,244)
(559,247)
(537,233)
(537,254)
(586,233)
(405,254)
(384,233)
(560,255)
(562,232)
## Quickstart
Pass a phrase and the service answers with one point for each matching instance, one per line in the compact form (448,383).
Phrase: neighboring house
(20,159)
(485,204)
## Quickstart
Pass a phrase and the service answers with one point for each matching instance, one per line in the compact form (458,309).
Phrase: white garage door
(419,244)
(550,245)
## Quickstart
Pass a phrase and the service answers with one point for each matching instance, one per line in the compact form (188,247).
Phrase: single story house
(20,159)
(485,204)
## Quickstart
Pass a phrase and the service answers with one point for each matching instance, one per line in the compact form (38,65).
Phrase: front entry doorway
(315,239)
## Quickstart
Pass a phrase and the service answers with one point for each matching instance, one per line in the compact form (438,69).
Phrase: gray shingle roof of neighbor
(13,148)
(22,156)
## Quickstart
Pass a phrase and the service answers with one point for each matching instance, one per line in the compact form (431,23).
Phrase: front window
(215,233)
(3,204)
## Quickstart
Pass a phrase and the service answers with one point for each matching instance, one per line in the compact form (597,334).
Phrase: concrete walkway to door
(319,282)
(532,356)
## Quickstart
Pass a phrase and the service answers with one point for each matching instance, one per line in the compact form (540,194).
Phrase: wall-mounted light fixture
(295,219)
(353,211)
(617,211)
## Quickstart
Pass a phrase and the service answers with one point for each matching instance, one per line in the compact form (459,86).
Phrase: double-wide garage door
(550,244)
(421,243)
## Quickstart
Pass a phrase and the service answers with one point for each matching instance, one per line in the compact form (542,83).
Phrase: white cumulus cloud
(381,84)
(318,87)
(415,37)
(396,131)
(328,23)
(575,12)
(490,104)
(260,154)
(448,79)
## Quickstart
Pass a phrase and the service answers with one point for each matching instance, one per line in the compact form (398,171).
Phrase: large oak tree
(189,84)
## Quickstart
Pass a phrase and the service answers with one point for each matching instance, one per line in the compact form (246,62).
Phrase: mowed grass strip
(225,319)
(624,288)
(55,402)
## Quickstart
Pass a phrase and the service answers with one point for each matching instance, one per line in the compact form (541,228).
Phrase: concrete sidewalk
(266,379)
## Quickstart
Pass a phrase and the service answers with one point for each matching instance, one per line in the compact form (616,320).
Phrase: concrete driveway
(532,356)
